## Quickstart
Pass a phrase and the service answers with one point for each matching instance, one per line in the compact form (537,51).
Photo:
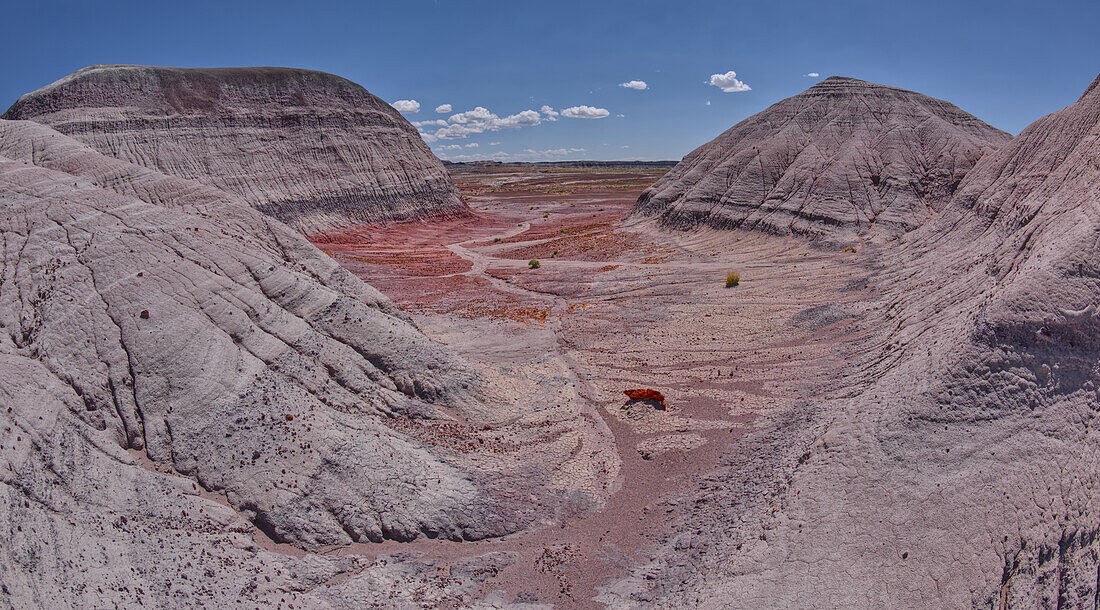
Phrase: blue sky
(1006,62)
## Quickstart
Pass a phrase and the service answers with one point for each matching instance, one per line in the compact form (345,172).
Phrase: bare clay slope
(312,149)
(843,160)
(965,473)
(173,319)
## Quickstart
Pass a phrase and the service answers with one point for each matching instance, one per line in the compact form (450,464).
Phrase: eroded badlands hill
(155,324)
(905,426)
(843,160)
(312,149)
(962,469)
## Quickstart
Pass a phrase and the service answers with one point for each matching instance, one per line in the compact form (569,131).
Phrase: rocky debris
(312,149)
(268,374)
(554,561)
(843,160)
(961,468)
(647,394)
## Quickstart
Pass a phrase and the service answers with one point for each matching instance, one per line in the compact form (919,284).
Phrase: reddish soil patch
(597,245)
(412,265)
(567,224)
(401,250)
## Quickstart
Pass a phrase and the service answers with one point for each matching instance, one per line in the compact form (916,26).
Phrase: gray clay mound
(964,471)
(312,149)
(172,319)
(843,160)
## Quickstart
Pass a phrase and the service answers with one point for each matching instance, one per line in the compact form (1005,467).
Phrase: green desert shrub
(534,263)
(733,278)
(849,249)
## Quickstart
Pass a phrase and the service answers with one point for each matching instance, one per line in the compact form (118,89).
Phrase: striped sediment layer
(312,149)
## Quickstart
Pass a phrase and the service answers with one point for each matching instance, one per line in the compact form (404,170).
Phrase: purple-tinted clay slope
(160,339)
(312,149)
(842,161)
(961,466)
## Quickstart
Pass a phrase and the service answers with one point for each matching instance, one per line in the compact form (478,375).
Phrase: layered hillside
(841,161)
(153,327)
(312,149)
(962,471)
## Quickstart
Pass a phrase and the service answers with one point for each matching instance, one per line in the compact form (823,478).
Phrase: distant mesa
(581,164)
(844,159)
(312,149)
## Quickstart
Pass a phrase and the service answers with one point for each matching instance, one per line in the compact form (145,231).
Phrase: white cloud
(527,118)
(728,82)
(529,154)
(640,85)
(497,156)
(585,112)
(472,145)
(407,106)
(551,153)
(480,120)
(812,74)
(443,109)
(477,115)
(456,131)
(621,116)
(624,146)
(708,103)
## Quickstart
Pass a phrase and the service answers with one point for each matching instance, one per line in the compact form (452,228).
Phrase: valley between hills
(261,348)
(615,305)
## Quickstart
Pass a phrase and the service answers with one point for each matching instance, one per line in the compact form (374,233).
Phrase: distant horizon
(611,81)
(472,161)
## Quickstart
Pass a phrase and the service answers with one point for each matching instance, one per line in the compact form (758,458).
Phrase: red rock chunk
(646,394)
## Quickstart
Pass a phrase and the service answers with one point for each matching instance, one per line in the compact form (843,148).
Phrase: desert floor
(617,304)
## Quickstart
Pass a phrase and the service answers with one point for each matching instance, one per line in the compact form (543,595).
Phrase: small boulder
(647,394)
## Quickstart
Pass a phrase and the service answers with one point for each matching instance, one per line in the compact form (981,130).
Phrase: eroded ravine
(620,306)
